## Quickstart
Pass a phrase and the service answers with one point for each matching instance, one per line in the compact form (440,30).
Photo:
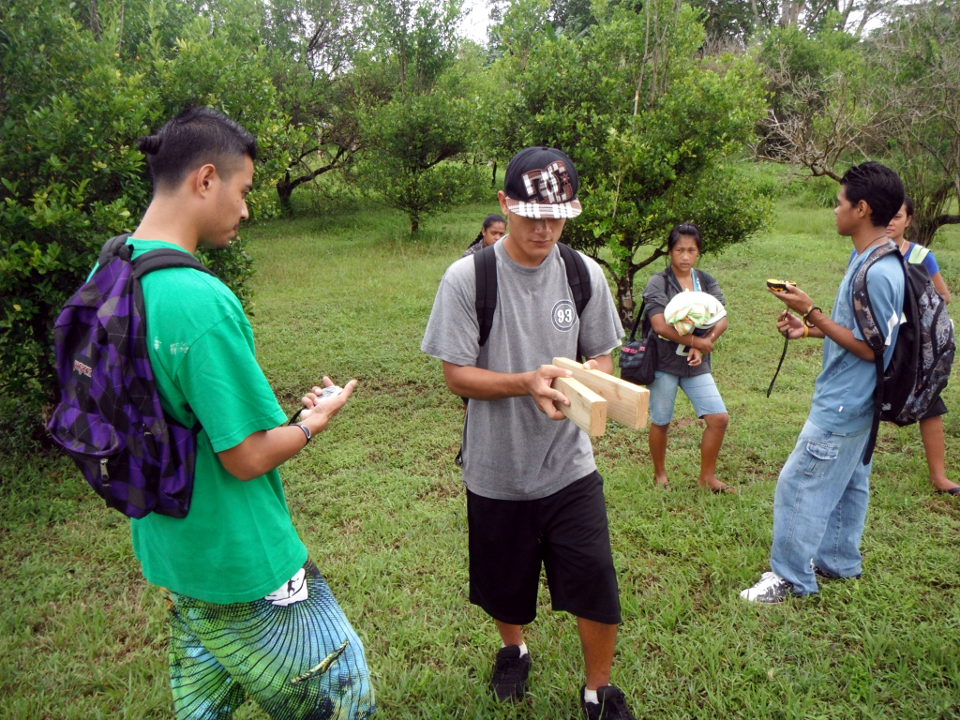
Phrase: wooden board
(627,403)
(587,408)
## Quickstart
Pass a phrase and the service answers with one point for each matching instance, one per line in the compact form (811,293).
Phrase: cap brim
(548,211)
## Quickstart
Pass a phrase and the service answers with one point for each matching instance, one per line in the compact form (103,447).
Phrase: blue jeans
(820,507)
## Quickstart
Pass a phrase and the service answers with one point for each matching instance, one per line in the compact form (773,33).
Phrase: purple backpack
(109,419)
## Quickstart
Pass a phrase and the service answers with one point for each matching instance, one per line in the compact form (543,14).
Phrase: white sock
(590,696)
(523,649)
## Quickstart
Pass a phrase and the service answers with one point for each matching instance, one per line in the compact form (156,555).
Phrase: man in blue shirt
(820,504)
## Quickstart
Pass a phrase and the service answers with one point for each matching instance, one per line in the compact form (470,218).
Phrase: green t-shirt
(238,542)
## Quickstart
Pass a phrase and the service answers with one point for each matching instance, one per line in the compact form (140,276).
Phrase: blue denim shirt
(843,398)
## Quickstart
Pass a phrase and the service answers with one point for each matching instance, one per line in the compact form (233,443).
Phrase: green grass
(380,504)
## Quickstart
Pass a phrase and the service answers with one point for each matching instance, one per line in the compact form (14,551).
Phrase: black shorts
(565,532)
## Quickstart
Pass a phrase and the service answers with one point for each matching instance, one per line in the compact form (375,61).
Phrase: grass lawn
(380,504)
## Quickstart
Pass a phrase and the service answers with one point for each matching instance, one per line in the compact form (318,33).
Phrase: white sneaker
(771,589)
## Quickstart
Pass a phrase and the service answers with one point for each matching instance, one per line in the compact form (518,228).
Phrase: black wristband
(807,314)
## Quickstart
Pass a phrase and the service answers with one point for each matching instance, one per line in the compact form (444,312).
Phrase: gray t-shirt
(512,451)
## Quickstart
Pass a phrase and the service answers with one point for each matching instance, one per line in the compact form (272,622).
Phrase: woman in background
(494,228)
(683,361)
(931,426)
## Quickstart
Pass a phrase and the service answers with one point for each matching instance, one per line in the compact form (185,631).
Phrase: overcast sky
(475,19)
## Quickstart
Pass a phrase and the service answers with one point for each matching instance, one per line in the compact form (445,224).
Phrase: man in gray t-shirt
(534,497)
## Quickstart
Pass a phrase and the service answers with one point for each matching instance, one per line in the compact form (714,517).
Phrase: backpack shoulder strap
(111,247)
(166,258)
(917,254)
(638,320)
(862,307)
(578,276)
(485,269)
(641,321)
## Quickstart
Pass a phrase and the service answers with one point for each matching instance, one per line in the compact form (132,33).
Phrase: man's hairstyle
(195,137)
(878,186)
(684,230)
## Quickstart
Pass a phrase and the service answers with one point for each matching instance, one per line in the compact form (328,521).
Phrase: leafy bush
(74,99)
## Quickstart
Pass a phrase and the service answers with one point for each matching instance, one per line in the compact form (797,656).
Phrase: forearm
(717,330)
(668,332)
(262,451)
(482,384)
(703,343)
(841,335)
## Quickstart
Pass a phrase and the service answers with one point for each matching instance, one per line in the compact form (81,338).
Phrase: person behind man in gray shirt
(534,496)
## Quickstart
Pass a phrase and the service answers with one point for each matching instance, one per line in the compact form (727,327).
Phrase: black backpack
(926,343)
(109,419)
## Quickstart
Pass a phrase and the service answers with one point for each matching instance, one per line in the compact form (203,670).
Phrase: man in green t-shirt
(251,616)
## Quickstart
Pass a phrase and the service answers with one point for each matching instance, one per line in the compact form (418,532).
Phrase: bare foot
(660,481)
(718,487)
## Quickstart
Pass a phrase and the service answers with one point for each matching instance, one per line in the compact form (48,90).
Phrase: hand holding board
(587,409)
(627,403)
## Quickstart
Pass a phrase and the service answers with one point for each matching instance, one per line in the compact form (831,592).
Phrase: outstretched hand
(324,408)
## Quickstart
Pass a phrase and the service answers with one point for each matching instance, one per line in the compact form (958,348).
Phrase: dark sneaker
(612,705)
(510,673)
(770,589)
(820,572)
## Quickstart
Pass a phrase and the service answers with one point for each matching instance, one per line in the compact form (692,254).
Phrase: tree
(651,126)
(902,107)
(412,138)
(818,111)
(314,47)
(69,173)
(733,24)
(79,83)
(917,89)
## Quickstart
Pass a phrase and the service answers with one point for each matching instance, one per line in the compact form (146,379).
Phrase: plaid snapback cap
(542,182)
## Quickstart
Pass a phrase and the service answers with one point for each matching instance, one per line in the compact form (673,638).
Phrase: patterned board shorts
(300,661)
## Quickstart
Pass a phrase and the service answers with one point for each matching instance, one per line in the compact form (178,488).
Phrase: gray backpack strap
(111,247)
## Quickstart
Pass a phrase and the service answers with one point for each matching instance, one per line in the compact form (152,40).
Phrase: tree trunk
(626,306)
(284,192)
